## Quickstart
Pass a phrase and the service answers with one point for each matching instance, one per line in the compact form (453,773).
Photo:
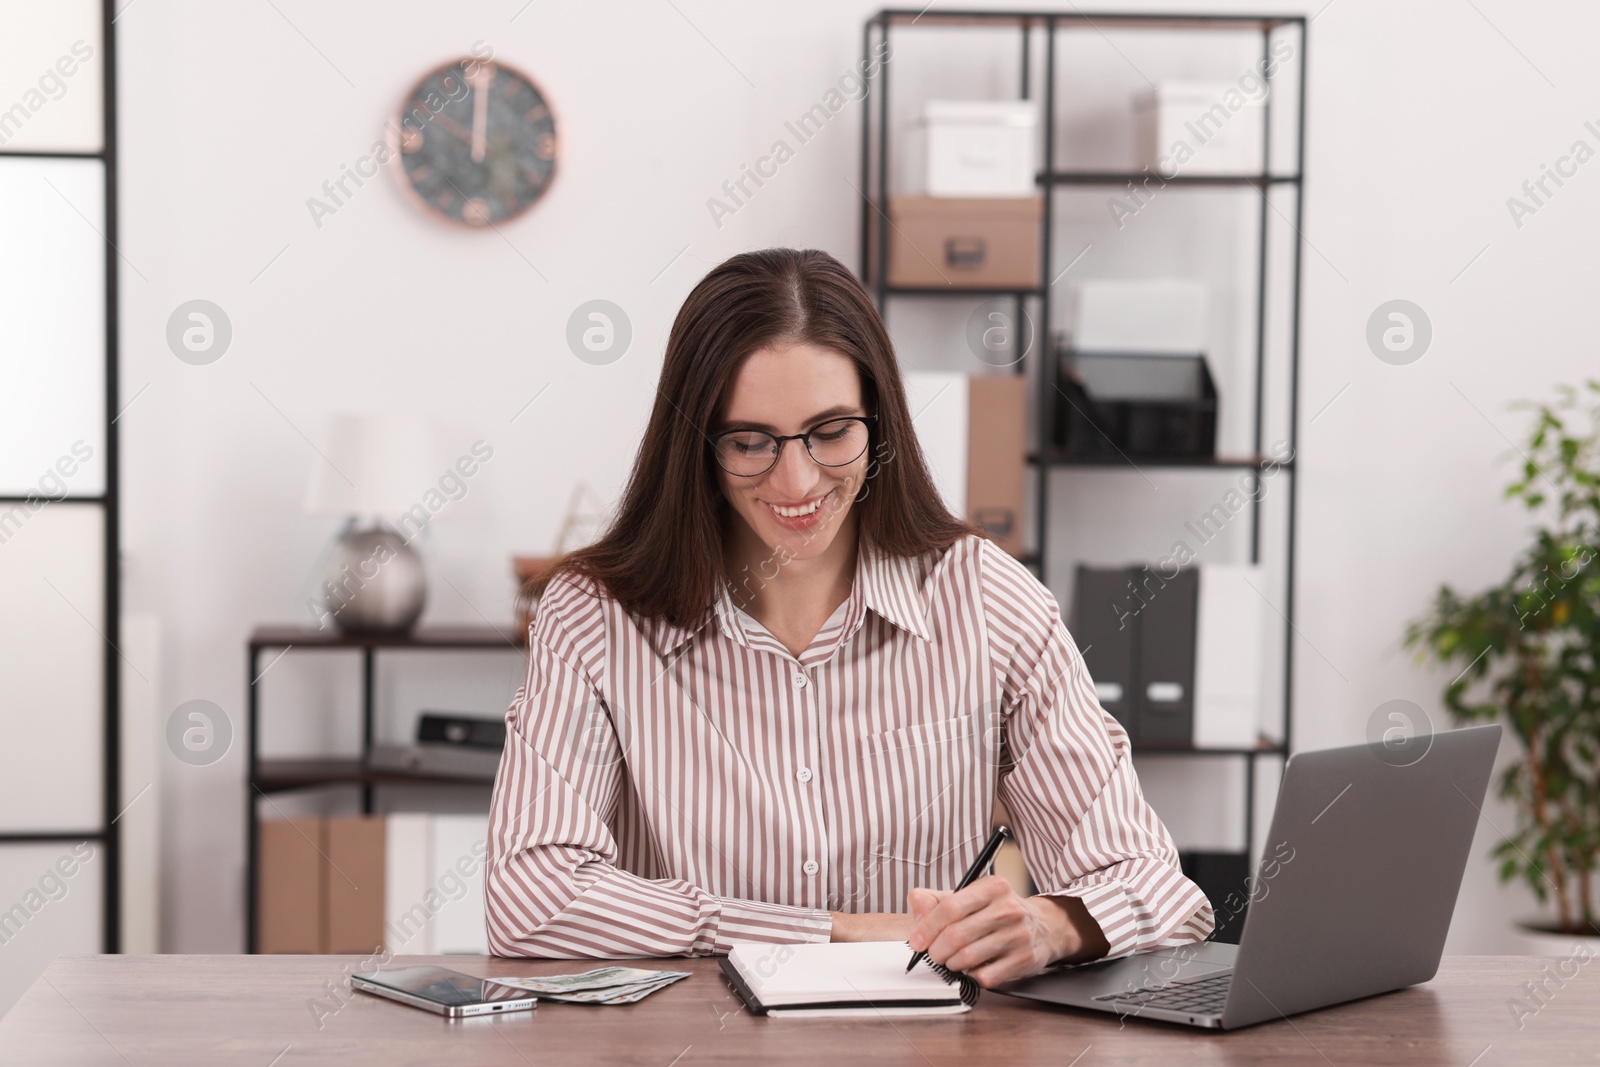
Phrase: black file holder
(1136,628)
(1135,405)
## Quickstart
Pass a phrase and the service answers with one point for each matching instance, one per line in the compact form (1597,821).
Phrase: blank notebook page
(864,971)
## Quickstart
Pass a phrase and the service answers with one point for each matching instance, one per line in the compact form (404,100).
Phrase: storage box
(321,883)
(1195,128)
(1230,655)
(1135,406)
(977,148)
(971,432)
(1140,315)
(355,883)
(290,883)
(997,457)
(973,243)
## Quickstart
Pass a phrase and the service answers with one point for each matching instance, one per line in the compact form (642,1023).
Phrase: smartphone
(443,992)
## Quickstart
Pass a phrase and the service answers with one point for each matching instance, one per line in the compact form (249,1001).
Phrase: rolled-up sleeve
(552,887)
(1083,823)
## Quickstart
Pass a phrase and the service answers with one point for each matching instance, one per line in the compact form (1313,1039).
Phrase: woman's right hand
(870,926)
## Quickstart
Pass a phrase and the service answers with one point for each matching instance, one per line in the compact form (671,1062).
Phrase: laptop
(1354,898)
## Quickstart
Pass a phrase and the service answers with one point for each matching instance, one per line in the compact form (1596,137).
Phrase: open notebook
(847,979)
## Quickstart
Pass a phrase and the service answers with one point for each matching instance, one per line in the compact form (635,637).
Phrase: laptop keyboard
(1201,996)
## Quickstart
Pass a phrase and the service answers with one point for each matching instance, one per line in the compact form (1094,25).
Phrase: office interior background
(233,131)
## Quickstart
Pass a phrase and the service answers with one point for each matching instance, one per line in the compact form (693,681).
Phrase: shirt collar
(890,586)
(894,589)
(668,638)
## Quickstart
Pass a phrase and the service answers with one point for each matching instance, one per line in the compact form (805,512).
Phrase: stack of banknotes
(604,985)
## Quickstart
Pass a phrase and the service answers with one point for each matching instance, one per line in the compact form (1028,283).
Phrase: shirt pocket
(932,793)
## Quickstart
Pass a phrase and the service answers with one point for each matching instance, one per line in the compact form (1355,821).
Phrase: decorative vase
(375,583)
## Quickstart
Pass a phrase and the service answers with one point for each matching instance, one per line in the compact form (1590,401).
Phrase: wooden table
(129,1011)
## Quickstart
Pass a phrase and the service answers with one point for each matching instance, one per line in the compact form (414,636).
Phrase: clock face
(477,142)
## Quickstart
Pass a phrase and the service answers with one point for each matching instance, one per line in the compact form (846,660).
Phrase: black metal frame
(875,275)
(108,838)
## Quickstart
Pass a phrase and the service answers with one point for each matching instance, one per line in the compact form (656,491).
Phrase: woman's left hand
(994,935)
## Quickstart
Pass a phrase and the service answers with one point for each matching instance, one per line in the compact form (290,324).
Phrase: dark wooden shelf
(49,153)
(425,637)
(277,775)
(957,290)
(1055,459)
(1089,177)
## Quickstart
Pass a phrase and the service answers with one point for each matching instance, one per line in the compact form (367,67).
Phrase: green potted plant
(1528,653)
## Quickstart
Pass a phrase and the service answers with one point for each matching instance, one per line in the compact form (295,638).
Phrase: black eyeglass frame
(871,422)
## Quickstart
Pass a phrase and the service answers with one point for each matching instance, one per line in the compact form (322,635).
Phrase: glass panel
(50,897)
(52,326)
(52,696)
(50,76)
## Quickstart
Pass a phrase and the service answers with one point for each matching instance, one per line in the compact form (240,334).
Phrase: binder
(290,884)
(1166,636)
(1136,630)
(1102,624)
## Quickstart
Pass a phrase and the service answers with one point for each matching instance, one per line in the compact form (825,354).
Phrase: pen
(974,872)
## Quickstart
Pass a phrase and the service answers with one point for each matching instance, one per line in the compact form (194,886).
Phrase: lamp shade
(375,465)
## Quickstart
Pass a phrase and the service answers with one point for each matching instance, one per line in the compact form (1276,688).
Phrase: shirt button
(805,774)
(810,867)
(800,680)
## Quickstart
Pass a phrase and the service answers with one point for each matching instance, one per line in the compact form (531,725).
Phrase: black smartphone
(443,992)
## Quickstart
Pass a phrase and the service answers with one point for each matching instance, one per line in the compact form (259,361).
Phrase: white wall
(1423,119)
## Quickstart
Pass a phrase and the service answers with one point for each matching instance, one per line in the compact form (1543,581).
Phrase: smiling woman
(780,698)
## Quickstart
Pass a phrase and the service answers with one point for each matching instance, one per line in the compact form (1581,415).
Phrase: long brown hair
(662,556)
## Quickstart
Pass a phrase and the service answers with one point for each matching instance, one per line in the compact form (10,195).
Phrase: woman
(779,699)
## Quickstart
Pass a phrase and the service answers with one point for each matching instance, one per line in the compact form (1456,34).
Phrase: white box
(938,403)
(1154,316)
(459,848)
(977,148)
(1194,128)
(1230,656)
(433,884)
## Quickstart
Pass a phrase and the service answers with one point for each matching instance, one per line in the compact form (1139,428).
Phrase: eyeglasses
(835,443)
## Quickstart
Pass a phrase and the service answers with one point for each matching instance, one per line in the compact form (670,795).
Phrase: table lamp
(372,471)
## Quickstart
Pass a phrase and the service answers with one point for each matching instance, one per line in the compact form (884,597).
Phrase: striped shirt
(671,791)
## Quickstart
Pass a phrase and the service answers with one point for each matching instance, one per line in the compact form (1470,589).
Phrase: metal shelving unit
(874,240)
(269,776)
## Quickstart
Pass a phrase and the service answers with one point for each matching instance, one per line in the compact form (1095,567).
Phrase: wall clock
(477,142)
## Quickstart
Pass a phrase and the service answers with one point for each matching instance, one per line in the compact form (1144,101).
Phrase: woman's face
(797,508)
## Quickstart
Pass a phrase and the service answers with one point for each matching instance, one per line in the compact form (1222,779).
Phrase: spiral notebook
(861,979)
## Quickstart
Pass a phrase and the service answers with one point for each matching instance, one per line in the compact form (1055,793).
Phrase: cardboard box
(321,885)
(997,453)
(988,243)
(290,883)
(354,876)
